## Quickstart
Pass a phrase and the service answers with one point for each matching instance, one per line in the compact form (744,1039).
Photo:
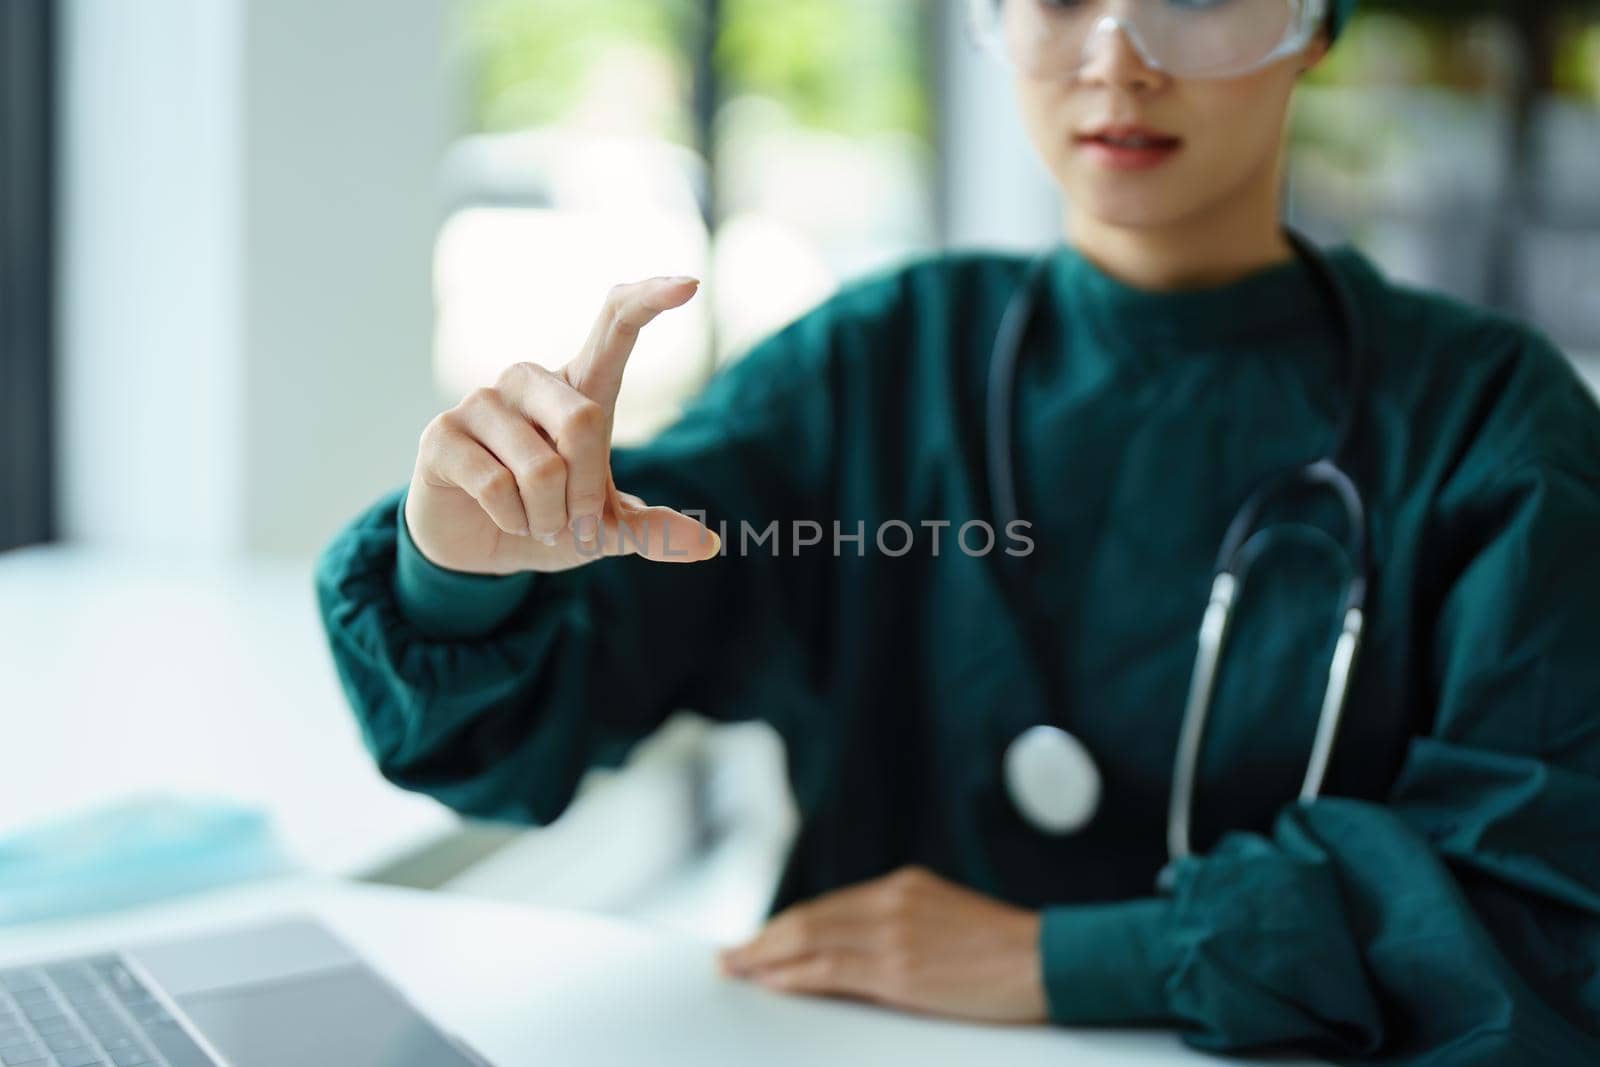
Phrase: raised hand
(518,477)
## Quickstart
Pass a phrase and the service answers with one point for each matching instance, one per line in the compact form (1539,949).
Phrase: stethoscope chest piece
(1052,780)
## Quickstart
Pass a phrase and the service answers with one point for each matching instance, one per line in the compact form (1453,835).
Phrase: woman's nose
(1110,59)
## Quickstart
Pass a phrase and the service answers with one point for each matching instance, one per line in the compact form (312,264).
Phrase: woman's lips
(1128,147)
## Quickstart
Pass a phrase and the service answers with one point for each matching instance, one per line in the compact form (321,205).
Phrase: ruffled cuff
(451,605)
(1107,963)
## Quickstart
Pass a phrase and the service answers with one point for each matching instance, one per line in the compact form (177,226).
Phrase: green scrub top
(1440,903)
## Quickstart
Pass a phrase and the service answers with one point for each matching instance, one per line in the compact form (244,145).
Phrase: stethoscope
(1049,774)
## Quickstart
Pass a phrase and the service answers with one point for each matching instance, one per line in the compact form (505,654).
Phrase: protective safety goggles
(1182,38)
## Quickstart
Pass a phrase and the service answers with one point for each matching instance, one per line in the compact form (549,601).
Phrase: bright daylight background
(287,232)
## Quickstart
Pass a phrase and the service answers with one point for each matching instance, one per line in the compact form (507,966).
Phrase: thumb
(662,534)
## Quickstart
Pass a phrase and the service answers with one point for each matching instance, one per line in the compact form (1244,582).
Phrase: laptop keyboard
(92,1012)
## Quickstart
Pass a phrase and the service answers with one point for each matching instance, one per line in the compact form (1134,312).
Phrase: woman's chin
(1124,201)
(1133,213)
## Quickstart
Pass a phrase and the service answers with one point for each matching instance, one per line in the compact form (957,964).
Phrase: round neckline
(1261,305)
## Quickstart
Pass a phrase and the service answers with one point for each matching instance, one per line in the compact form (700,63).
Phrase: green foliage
(1578,59)
(1431,42)
(528,57)
(852,66)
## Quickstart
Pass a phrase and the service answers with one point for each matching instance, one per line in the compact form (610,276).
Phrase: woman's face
(1228,134)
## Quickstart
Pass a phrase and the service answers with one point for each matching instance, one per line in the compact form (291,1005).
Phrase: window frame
(27,261)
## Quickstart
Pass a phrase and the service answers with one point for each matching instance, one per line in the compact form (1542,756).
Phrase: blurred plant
(1578,58)
(530,61)
(1461,44)
(1379,50)
(850,66)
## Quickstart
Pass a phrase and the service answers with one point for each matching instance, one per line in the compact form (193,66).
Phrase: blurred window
(25,271)
(1457,144)
(775,150)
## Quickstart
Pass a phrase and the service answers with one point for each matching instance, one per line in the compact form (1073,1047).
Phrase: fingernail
(584,528)
(716,543)
(524,532)
(679,279)
(548,539)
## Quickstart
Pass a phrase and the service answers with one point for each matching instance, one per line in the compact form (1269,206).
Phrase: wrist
(1028,979)
(1107,963)
(447,604)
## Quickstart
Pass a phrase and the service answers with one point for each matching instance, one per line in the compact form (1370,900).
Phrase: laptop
(285,992)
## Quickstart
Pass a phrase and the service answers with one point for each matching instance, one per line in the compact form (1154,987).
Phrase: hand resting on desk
(908,940)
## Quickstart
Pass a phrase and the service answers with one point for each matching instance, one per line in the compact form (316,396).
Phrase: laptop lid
(291,992)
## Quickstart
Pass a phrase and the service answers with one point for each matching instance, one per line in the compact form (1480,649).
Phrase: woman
(1440,900)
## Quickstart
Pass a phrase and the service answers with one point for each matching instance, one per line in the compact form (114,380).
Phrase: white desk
(126,673)
(550,988)
(120,675)
(1589,366)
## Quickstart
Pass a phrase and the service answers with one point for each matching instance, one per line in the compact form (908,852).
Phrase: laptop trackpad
(338,1018)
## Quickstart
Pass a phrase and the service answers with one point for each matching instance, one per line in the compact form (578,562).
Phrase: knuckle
(586,502)
(544,469)
(900,898)
(911,878)
(515,374)
(616,308)
(441,425)
(480,399)
(497,482)
(584,418)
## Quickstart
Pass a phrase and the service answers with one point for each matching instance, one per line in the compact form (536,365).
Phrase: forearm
(480,691)
(1320,936)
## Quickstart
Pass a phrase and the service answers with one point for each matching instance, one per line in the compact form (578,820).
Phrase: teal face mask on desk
(141,849)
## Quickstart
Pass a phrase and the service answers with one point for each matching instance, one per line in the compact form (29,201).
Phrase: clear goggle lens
(1183,38)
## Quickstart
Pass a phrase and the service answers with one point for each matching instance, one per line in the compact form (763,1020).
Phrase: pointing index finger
(597,371)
